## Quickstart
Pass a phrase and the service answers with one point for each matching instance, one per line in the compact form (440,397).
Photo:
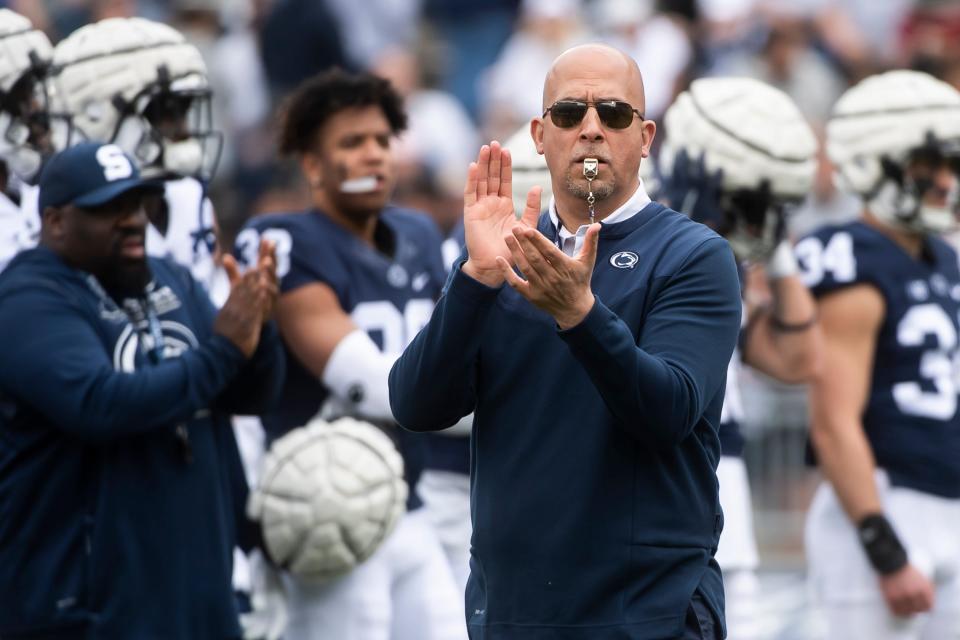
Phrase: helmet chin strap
(590,168)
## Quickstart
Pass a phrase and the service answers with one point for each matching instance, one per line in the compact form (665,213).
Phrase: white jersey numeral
(936,365)
(396,329)
(248,242)
(836,258)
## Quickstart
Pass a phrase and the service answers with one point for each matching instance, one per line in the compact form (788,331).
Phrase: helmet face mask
(140,85)
(170,131)
(900,194)
(755,221)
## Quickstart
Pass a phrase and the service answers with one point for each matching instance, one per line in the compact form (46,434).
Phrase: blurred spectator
(439,142)
(658,42)
(472,32)
(861,32)
(547,28)
(298,38)
(373,26)
(241,101)
(788,60)
(930,40)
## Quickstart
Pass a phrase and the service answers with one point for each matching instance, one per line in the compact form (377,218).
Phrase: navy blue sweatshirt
(594,449)
(107,529)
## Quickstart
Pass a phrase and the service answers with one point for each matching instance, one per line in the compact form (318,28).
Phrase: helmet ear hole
(862,175)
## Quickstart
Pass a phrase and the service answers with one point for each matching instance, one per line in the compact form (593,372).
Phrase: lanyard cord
(154,352)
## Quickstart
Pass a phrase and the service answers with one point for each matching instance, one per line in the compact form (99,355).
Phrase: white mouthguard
(366,184)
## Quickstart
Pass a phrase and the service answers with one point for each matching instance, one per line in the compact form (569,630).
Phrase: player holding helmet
(881,535)
(737,155)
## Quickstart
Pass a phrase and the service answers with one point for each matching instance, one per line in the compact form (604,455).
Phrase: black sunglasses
(613,113)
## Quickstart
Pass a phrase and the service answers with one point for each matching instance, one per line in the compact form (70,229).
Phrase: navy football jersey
(910,417)
(389,296)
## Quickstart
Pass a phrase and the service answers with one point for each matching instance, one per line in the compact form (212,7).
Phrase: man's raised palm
(488,212)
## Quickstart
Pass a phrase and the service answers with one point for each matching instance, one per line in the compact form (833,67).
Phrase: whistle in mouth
(590,168)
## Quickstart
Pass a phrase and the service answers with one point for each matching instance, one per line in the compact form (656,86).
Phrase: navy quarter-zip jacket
(593,456)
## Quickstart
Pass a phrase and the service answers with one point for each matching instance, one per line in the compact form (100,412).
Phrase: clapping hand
(488,215)
(253,296)
(552,280)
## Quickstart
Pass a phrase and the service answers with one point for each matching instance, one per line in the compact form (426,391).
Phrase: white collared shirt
(570,243)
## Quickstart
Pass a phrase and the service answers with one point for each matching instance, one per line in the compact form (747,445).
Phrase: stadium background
(471,71)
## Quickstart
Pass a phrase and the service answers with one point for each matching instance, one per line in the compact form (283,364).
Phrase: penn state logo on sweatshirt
(136,339)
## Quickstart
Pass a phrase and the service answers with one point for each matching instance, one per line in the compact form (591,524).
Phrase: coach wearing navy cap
(121,490)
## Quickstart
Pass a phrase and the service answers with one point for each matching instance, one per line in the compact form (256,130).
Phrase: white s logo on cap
(115,165)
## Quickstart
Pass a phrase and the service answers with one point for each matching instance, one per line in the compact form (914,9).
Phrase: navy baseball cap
(89,175)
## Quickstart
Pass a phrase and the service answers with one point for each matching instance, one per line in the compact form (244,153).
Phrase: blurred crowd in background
(471,71)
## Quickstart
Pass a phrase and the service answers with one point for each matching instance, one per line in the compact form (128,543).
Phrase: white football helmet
(882,125)
(529,170)
(329,495)
(737,153)
(142,86)
(25,54)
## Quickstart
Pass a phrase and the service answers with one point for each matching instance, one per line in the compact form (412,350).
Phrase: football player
(881,534)
(738,154)
(358,280)
(140,85)
(25,54)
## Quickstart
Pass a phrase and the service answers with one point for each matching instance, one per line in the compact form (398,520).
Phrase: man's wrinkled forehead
(594,71)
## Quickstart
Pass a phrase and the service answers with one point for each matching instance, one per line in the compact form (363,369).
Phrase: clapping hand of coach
(488,215)
(495,238)
(253,296)
(552,281)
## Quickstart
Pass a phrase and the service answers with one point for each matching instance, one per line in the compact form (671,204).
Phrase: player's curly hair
(319,97)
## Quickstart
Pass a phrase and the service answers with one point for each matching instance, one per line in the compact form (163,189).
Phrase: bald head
(593,74)
(593,64)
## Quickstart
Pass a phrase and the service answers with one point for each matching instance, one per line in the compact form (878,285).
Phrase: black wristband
(881,543)
(786,327)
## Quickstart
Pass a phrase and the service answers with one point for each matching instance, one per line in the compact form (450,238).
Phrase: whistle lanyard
(153,351)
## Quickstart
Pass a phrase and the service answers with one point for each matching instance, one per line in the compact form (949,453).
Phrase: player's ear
(53,222)
(312,169)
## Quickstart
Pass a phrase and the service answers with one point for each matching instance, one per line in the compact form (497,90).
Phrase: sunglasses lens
(567,114)
(616,115)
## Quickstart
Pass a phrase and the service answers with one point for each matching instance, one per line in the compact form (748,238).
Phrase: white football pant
(847,586)
(737,551)
(446,500)
(404,591)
